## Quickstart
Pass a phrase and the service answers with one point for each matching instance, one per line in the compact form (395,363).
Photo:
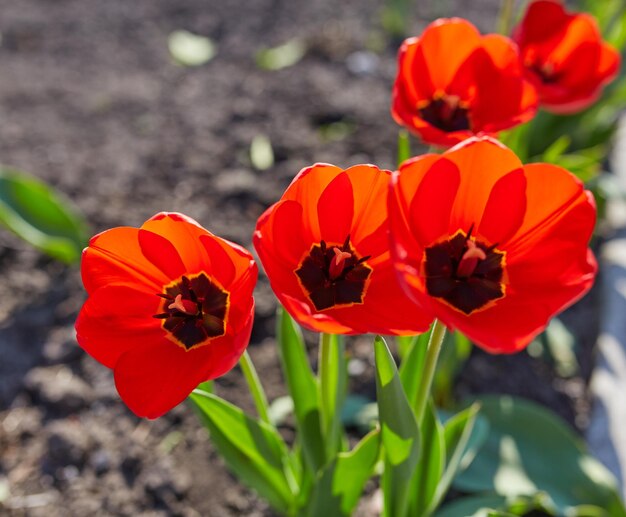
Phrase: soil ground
(91,102)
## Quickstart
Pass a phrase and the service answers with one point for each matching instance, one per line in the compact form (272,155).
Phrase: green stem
(505,17)
(324,372)
(256,388)
(430,364)
(332,386)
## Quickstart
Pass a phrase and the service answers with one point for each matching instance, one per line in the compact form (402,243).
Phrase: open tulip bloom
(489,246)
(564,55)
(453,83)
(325,249)
(170,306)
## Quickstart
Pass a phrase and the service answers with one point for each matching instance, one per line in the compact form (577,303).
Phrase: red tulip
(324,247)
(565,56)
(453,83)
(170,306)
(489,246)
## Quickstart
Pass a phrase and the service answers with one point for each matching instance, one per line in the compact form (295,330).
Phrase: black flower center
(333,275)
(464,272)
(546,72)
(446,113)
(194,311)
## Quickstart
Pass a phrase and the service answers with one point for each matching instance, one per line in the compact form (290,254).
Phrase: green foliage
(454,354)
(253,450)
(340,485)
(528,452)
(303,388)
(333,380)
(41,216)
(399,433)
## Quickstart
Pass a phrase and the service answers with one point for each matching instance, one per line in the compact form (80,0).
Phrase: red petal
(505,209)
(161,252)
(335,210)
(116,318)
(114,256)
(442,52)
(152,379)
(483,161)
(432,204)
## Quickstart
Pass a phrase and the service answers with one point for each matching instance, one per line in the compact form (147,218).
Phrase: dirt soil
(91,102)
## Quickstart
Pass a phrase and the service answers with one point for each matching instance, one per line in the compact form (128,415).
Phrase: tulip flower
(565,56)
(170,306)
(324,247)
(489,246)
(453,83)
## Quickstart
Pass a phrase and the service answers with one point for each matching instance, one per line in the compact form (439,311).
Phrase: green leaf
(431,464)
(253,450)
(283,56)
(413,364)
(496,506)
(261,153)
(40,216)
(556,149)
(399,432)
(302,386)
(338,489)
(462,440)
(529,450)
(189,49)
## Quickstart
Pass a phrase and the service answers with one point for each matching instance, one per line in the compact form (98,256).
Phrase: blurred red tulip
(453,83)
(170,306)
(489,246)
(565,56)
(325,249)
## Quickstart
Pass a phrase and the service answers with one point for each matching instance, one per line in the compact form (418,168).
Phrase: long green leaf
(399,432)
(338,489)
(529,450)
(432,461)
(458,432)
(40,216)
(253,450)
(302,386)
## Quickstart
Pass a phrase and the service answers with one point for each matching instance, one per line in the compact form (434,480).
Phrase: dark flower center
(194,311)
(546,72)
(446,113)
(333,275)
(463,272)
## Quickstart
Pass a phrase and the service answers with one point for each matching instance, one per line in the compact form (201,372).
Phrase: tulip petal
(335,210)
(115,318)
(114,256)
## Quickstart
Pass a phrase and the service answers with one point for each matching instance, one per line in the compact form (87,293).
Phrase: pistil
(338,262)
(470,260)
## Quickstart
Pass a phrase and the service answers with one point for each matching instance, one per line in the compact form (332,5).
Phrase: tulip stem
(332,385)
(430,364)
(256,388)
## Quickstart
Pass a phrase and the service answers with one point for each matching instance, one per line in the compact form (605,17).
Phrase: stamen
(470,260)
(183,305)
(338,262)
